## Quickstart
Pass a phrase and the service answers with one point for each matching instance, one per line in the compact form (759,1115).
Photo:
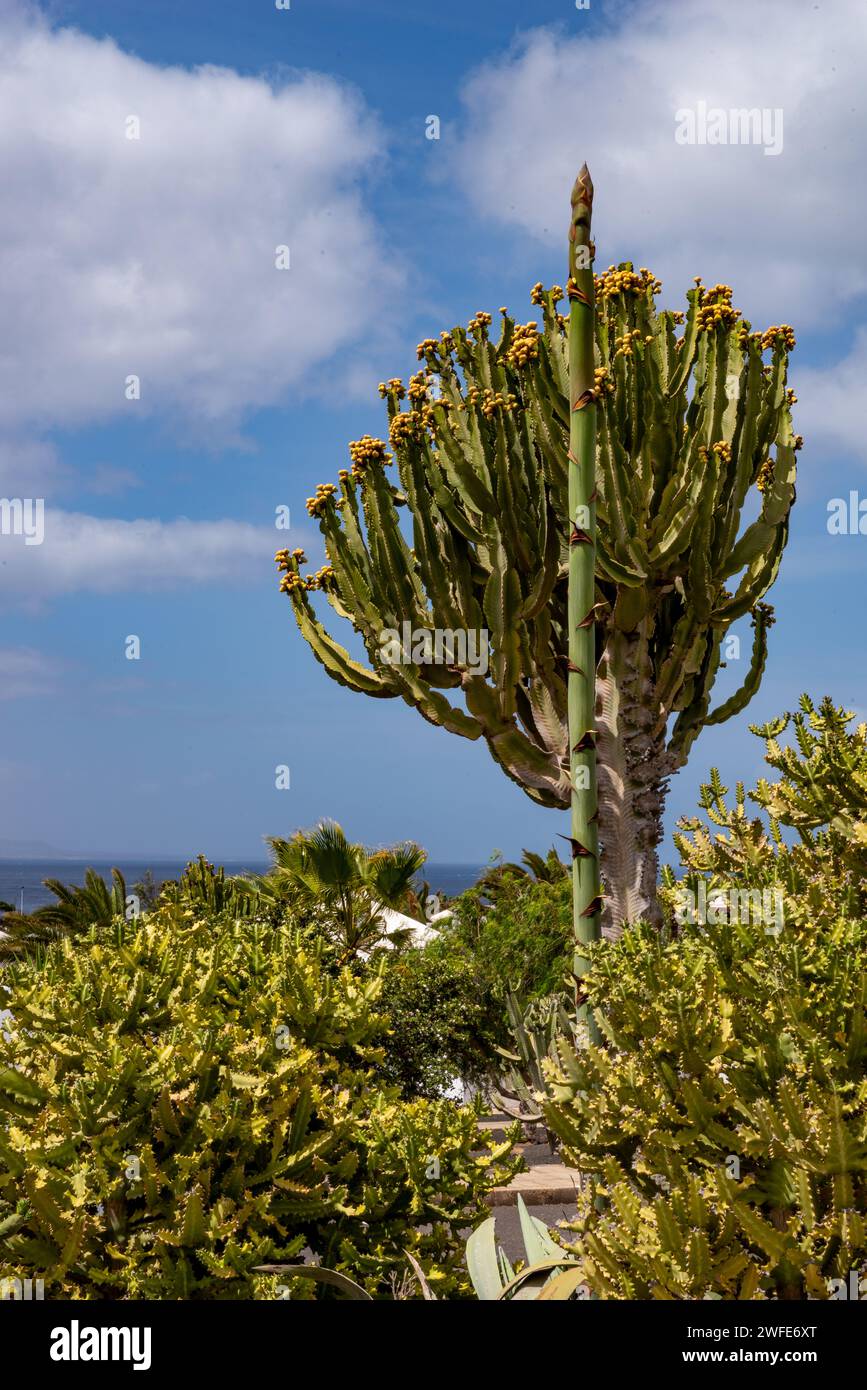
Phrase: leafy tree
(516,930)
(500,876)
(445,1022)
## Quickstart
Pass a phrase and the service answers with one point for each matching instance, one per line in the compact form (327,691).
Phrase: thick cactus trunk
(581,604)
(633,769)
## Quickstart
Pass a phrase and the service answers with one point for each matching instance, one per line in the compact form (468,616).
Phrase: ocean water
(21,880)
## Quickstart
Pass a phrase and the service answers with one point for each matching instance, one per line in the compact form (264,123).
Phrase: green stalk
(581,610)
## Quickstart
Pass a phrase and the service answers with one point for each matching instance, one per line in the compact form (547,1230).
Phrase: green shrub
(182,1100)
(443,1022)
(518,936)
(725,1115)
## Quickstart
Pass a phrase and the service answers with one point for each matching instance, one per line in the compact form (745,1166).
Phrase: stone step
(541,1185)
(495,1127)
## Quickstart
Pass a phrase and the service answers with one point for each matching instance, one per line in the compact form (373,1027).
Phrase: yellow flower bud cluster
(393,387)
(779,330)
(322,579)
(491,401)
(368,452)
(721,449)
(745,337)
(293,581)
(715,308)
(624,345)
(428,347)
(766,475)
(405,426)
(613,282)
(537,293)
(791,398)
(524,346)
(418,388)
(478,326)
(602,383)
(318,505)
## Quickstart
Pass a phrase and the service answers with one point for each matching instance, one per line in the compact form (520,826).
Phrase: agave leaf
(563,1286)
(535,1275)
(320,1275)
(537,1242)
(482,1262)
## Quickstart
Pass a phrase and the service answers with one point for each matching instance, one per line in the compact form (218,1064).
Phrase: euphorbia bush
(183,1099)
(724,1116)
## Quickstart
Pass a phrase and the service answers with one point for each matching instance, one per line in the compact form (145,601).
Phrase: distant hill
(32,849)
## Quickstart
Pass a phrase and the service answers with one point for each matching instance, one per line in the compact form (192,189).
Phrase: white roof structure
(422,932)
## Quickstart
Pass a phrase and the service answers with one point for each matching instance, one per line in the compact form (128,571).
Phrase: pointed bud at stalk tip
(582,191)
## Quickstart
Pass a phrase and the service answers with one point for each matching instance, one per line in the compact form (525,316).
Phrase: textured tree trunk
(633,769)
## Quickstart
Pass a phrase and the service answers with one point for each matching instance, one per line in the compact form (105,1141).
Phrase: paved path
(546,1181)
(547,1187)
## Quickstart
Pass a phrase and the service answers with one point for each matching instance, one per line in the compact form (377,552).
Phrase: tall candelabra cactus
(695,479)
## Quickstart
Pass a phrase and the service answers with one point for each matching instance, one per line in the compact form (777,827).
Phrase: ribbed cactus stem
(581,605)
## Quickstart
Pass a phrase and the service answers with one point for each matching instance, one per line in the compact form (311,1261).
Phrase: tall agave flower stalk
(581,602)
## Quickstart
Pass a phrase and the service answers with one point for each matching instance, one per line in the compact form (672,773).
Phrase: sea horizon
(25,875)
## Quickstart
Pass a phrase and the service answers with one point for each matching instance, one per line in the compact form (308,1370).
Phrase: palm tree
(77,910)
(343,887)
(532,869)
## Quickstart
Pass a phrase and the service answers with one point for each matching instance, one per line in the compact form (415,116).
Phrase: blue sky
(154,257)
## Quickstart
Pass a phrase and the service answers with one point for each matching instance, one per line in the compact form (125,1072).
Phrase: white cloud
(156,256)
(88,554)
(24,671)
(785,231)
(831,402)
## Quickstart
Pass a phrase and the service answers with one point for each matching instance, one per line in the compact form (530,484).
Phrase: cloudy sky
(165,389)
